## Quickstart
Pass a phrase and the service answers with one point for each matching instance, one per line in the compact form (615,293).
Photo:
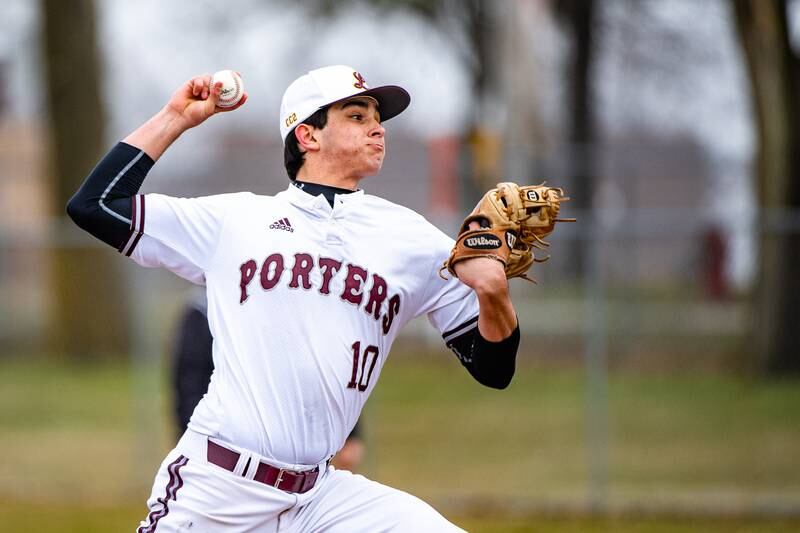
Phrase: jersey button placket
(333,236)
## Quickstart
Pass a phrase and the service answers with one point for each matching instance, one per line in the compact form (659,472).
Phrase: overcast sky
(150,47)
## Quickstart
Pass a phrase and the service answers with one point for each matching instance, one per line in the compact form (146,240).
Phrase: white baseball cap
(329,85)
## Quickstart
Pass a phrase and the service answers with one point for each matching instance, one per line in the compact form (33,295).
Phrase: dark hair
(293,158)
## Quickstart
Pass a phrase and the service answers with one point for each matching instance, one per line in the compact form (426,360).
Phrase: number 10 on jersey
(360,380)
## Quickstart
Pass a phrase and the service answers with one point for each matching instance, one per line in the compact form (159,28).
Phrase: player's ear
(306,138)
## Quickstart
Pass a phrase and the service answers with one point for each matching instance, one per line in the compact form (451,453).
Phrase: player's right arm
(191,105)
(104,205)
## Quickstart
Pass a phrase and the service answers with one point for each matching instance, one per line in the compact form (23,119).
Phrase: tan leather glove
(514,220)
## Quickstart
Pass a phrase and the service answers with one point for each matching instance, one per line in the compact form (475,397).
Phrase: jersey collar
(318,203)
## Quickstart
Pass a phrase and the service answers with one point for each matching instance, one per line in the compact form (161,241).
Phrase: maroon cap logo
(360,83)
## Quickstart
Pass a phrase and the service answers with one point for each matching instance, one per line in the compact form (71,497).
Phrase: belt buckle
(279,478)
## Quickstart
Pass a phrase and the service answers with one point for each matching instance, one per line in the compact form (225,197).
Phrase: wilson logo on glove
(482,242)
(511,239)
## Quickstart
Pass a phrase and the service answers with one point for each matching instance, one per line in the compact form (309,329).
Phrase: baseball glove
(513,221)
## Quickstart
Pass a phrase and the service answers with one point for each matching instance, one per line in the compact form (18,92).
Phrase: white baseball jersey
(304,302)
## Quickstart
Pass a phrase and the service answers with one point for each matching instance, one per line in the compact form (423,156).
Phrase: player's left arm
(497,318)
(489,350)
(474,314)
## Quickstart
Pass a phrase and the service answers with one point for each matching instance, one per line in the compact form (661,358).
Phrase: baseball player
(306,292)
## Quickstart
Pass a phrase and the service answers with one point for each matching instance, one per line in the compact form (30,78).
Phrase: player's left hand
(513,221)
(482,274)
(487,277)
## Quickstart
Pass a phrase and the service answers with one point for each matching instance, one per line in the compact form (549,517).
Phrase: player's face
(353,139)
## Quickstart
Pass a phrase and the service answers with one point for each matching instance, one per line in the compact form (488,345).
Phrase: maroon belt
(287,480)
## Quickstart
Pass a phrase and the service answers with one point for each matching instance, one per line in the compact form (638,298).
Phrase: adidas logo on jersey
(283,224)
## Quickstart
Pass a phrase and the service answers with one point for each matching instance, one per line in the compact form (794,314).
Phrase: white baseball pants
(193,496)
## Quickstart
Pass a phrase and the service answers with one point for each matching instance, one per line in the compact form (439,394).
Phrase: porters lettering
(361,289)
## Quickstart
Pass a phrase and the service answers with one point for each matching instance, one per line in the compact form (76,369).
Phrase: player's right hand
(196,100)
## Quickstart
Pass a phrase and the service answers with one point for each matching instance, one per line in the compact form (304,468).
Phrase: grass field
(29,518)
(685,452)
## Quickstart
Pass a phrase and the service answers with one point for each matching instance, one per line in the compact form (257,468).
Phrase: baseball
(232,87)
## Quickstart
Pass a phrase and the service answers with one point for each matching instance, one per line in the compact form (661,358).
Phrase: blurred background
(657,385)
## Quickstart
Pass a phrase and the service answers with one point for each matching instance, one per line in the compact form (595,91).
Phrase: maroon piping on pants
(173,486)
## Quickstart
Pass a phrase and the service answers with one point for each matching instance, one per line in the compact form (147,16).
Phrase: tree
(578,16)
(89,300)
(774,73)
